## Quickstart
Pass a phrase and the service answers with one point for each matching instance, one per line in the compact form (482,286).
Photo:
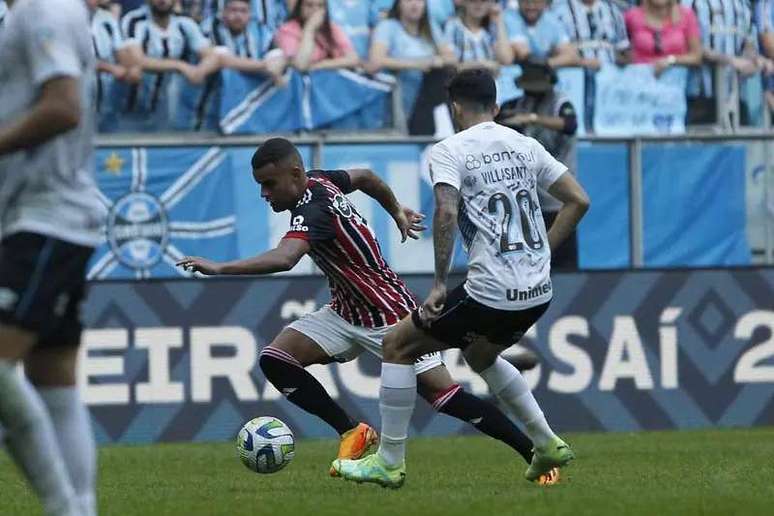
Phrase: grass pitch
(718,472)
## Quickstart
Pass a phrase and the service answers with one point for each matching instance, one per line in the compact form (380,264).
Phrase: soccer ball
(265,444)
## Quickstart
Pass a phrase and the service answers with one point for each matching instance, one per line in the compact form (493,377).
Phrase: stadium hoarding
(621,351)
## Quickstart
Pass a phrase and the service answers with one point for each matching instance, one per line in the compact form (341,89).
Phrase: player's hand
(197,264)
(434,303)
(409,222)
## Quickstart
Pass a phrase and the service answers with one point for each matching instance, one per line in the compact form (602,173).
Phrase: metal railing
(635,145)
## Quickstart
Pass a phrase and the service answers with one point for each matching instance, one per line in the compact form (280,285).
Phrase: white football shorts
(343,341)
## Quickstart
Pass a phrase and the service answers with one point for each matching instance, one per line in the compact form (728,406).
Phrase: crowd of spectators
(140,44)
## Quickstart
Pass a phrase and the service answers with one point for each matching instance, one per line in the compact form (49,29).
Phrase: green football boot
(370,469)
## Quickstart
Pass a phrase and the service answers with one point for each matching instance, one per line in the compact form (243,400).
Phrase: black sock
(487,418)
(302,389)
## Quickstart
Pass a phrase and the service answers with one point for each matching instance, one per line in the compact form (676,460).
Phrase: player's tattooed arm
(408,221)
(447,200)
(282,258)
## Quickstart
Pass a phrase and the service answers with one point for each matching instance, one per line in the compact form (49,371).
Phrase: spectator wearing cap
(597,29)
(663,34)
(537,34)
(478,36)
(549,117)
(311,41)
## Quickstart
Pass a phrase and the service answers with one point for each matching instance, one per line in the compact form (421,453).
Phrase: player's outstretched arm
(408,221)
(57,110)
(576,204)
(282,258)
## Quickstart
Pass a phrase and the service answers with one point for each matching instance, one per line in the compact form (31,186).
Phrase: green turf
(683,473)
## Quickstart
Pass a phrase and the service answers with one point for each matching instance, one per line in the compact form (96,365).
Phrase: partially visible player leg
(283,362)
(51,369)
(29,434)
(397,396)
(438,388)
(507,383)
(316,339)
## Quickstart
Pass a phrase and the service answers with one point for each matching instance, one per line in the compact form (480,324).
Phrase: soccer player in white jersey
(50,220)
(485,181)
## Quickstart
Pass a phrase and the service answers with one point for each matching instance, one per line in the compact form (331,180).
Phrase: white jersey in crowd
(49,189)
(497,171)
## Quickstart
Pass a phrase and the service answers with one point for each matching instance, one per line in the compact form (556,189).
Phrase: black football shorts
(463,318)
(42,285)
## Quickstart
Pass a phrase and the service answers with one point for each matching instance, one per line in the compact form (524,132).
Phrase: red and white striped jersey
(364,290)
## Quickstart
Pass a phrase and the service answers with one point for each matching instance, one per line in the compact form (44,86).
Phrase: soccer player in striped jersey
(367,297)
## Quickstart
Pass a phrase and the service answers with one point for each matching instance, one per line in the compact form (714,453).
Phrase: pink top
(288,38)
(650,44)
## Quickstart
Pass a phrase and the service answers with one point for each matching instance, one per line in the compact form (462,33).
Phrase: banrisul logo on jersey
(163,204)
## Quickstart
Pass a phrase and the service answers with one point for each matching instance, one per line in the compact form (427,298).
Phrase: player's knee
(268,364)
(480,356)
(52,367)
(394,351)
(274,363)
(438,398)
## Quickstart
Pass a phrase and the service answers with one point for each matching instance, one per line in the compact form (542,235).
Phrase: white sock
(30,439)
(76,439)
(507,383)
(397,397)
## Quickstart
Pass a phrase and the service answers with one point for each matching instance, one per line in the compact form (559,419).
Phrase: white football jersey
(49,189)
(497,171)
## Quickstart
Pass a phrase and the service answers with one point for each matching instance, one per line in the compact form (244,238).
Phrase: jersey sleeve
(194,34)
(51,42)
(312,221)
(443,166)
(116,39)
(340,178)
(548,168)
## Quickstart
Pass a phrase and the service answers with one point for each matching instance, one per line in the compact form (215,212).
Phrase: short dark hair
(474,88)
(273,151)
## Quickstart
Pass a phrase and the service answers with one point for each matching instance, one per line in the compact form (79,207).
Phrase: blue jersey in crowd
(543,37)
(726,27)
(402,45)
(598,30)
(107,40)
(469,45)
